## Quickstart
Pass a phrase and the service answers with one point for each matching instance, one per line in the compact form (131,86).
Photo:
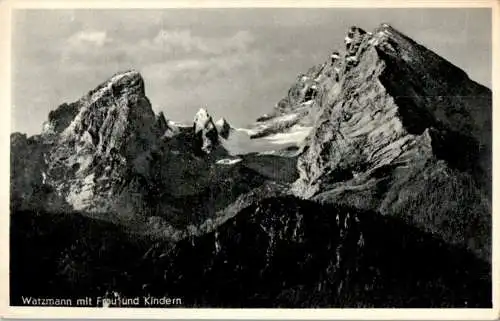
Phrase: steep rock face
(403,131)
(97,149)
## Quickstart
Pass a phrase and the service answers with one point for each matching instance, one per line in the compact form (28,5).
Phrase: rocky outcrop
(223,127)
(205,132)
(96,149)
(402,131)
(60,118)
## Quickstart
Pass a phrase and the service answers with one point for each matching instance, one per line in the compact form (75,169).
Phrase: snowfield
(239,141)
(228,161)
(295,136)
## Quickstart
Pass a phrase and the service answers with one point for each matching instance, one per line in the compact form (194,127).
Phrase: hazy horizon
(236,62)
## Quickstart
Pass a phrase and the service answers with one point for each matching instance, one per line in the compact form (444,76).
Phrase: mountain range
(367,185)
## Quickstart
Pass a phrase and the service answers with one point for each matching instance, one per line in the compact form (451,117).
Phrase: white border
(270,314)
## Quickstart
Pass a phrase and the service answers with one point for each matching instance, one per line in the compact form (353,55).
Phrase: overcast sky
(238,62)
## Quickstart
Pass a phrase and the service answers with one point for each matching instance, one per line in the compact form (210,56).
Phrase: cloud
(205,69)
(86,47)
(89,38)
(175,50)
(182,41)
(180,56)
(172,40)
(182,68)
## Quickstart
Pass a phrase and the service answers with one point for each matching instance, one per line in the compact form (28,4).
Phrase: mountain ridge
(381,196)
(386,116)
(381,125)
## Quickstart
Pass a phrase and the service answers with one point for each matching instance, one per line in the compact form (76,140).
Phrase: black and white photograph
(251,157)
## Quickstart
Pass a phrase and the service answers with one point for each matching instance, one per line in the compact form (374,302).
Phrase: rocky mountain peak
(222,121)
(95,145)
(202,120)
(223,127)
(390,107)
(129,82)
(380,204)
(205,131)
(354,34)
(123,83)
(112,109)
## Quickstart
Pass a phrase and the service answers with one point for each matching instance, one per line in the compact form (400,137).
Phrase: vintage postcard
(226,160)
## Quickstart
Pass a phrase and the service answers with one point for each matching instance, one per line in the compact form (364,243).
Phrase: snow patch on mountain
(248,131)
(177,124)
(295,135)
(240,141)
(228,161)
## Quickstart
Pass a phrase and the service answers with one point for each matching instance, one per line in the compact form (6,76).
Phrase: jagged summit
(222,121)
(202,120)
(205,131)
(391,114)
(353,34)
(391,166)
(130,80)
(93,147)
(400,57)
(223,127)
(130,74)
(126,83)
(382,114)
